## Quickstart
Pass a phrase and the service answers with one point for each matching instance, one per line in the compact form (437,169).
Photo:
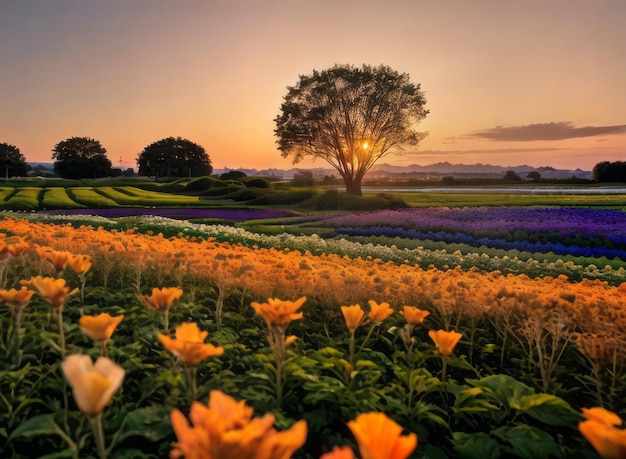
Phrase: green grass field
(58,194)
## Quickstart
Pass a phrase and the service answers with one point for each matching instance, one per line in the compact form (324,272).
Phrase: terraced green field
(38,197)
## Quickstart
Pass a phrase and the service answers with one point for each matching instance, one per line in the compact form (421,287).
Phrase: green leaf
(505,389)
(477,445)
(150,422)
(549,409)
(527,442)
(42,424)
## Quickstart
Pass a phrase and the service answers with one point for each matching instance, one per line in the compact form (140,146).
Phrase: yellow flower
(161,298)
(353,315)
(189,344)
(52,289)
(100,327)
(601,430)
(79,263)
(445,341)
(92,385)
(379,312)
(58,259)
(225,429)
(380,437)
(345,452)
(413,315)
(16,299)
(279,312)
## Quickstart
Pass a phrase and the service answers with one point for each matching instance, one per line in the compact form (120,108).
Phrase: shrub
(256,183)
(233,175)
(201,184)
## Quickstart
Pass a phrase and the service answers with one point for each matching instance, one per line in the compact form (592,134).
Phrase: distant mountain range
(432,171)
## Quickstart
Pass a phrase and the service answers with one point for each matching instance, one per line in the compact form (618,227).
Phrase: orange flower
(52,289)
(380,437)
(58,259)
(16,299)
(189,344)
(345,452)
(601,430)
(93,386)
(79,263)
(413,315)
(5,251)
(379,312)
(353,315)
(17,248)
(279,312)
(100,327)
(225,429)
(445,340)
(161,298)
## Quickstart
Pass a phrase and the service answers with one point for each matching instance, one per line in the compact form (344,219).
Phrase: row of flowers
(423,253)
(509,223)
(504,244)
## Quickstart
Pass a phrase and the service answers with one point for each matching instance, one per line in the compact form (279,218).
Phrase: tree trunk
(353,186)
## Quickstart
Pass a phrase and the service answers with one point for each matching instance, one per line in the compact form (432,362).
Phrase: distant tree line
(84,157)
(606,171)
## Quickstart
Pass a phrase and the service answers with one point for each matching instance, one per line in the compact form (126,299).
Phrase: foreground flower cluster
(330,374)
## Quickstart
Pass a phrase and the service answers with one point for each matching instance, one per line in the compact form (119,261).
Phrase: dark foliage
(174,157)
(12,162)
(80,157)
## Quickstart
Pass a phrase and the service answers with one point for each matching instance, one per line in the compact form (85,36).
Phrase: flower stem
(191,382)
(369,334)
(98,433)
(352,346)
(61,331)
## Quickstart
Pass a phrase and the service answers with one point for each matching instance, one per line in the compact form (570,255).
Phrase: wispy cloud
(545,131)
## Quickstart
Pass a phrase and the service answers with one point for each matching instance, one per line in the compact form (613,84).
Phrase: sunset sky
(507,83)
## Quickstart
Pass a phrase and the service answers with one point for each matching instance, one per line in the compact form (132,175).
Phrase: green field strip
(421,199)
(25,198)
(89,197)
(146,198)
(6,193)
(156,196)
(57,198)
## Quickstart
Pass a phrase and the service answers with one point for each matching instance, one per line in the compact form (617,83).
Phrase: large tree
(12,162)
(350,117)
(174,157)
(80,157)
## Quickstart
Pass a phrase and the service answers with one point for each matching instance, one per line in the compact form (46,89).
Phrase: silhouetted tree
(606,171)
(174,157)
(12,162)
(350,117)
(534,176)
(511,176)
(80,157)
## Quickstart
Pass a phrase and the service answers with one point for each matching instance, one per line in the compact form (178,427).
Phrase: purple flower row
(575,231)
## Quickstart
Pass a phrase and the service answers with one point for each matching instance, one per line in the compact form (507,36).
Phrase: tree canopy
(80,157)
(606,171)
(12,162)
(350,117)
(174,157)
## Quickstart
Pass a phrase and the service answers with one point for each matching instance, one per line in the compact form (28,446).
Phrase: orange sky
(532,82)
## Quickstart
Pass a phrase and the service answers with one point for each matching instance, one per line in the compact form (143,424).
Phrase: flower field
(150,337)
